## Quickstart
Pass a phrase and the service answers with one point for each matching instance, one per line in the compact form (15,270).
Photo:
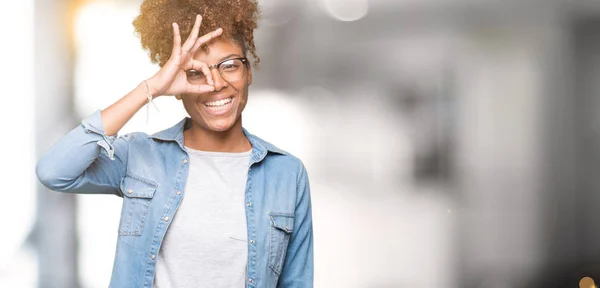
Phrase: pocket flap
(282,221)
(137,187)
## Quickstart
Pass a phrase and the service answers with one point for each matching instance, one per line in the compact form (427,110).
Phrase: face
(221,109)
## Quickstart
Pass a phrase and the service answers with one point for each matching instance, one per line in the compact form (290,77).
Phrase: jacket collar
(260,147)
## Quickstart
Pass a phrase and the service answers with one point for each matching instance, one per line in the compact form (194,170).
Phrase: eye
(230,65)
(194,74)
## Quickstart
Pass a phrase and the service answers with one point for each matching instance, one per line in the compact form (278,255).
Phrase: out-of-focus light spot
(346,10)
(89,22)
(587,282)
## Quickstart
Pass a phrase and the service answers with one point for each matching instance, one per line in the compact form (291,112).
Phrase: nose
(219,82)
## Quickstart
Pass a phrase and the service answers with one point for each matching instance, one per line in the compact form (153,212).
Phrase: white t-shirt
(206,243)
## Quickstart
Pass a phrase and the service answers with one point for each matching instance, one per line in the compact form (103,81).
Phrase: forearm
(119,113)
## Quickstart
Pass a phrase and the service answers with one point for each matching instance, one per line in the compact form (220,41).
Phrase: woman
(205,203)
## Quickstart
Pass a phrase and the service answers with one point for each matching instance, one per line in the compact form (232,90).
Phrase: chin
(220,126)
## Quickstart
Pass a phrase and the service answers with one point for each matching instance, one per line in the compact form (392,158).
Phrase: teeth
(219,102)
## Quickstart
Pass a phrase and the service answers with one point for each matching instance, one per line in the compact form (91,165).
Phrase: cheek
(243,98)
(185,102)
(189,103)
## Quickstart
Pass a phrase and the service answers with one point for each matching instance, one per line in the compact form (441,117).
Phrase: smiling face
(221,109)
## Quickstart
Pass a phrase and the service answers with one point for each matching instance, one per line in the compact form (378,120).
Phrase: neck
(232,140)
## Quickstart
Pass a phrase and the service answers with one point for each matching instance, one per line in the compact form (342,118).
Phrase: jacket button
(153,256)
(251,280)
(178,192)
(252,241)
(249,204)
(166,218)
(184,161)
(129,191)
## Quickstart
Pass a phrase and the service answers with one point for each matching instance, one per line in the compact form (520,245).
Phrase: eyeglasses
(230,70)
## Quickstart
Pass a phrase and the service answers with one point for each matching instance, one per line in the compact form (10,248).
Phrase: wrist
(150,88)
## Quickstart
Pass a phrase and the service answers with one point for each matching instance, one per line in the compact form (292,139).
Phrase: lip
(224,111)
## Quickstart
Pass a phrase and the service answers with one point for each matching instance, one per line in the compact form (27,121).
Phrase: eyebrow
(228,56)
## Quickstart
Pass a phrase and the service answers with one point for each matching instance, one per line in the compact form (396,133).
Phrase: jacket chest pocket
(137,195)
(282,226)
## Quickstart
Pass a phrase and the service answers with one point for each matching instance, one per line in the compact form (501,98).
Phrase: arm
(76,163)
(85,160)
(298,268)
(88,160)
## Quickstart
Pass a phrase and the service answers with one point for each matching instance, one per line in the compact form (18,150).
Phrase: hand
(171,79)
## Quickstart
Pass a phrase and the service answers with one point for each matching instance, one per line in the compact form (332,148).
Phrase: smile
(219,104)
(219,107)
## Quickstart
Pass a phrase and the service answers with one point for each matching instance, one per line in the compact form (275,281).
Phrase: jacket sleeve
(85,160)
(298,268)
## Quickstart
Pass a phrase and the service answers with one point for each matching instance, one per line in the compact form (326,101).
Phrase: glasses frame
(218,66)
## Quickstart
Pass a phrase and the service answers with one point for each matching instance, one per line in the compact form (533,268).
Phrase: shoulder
(278,159)
(287,162)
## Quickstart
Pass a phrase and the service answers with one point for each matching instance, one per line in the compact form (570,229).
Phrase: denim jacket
(150,171)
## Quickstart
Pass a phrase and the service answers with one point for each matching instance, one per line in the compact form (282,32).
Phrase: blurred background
(449,143)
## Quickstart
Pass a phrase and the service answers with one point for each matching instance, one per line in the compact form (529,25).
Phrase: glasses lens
(232,70)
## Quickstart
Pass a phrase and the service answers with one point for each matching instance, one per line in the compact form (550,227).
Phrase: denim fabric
(150,171)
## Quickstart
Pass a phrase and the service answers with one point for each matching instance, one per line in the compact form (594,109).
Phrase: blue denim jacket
(150,172)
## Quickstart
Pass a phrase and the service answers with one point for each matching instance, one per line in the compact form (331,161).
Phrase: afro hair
(237,18)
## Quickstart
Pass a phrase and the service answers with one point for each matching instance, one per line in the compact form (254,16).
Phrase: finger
(195,89)
(189,42)
(204,68)
(207,37)
(176,40)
